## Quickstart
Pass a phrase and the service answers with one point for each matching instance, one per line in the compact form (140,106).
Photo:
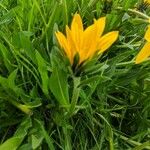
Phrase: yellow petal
(100,25)
(89,42)
(147,1)
(77,20)
(107,40)
(73,48)
(63,43)
(95,31)
(143,54)
(77,31)
(147,34)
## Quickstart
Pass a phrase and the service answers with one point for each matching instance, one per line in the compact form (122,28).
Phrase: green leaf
(45,135)
(3,82)
(14,142)
(21,41)
(6,18)
(42,67)
(128,4)
(113,21)
(145,145)
(7,57)
(36,141)
(35,103)
(59,86)
(75,95)
(11,144)
(9,83)
(23,128)
(25,147)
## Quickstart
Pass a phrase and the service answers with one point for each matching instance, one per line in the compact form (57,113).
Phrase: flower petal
(107,40)
(147,34)
(77,31)
(63,43)
(143,54)
(89,42)
(92,35)
(73,48)
(147,1)
(100,25)
(77,20)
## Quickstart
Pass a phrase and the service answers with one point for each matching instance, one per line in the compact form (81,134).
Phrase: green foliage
(42,68)
(58,86)
(47,104)
(16,140)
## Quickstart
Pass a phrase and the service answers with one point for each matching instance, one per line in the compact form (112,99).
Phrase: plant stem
(130,141)
(125,63)
(75,95)
(22,107)
(136,12)
(67,144)
(111,144)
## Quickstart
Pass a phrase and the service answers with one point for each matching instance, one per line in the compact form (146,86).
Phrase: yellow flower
(147,1)
(86,42)
(145,51)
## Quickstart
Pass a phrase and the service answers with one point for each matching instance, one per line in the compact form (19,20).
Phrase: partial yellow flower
(147,1)
(145,51)
(86,42)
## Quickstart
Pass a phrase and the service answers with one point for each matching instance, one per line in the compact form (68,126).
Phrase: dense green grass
(46,104)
